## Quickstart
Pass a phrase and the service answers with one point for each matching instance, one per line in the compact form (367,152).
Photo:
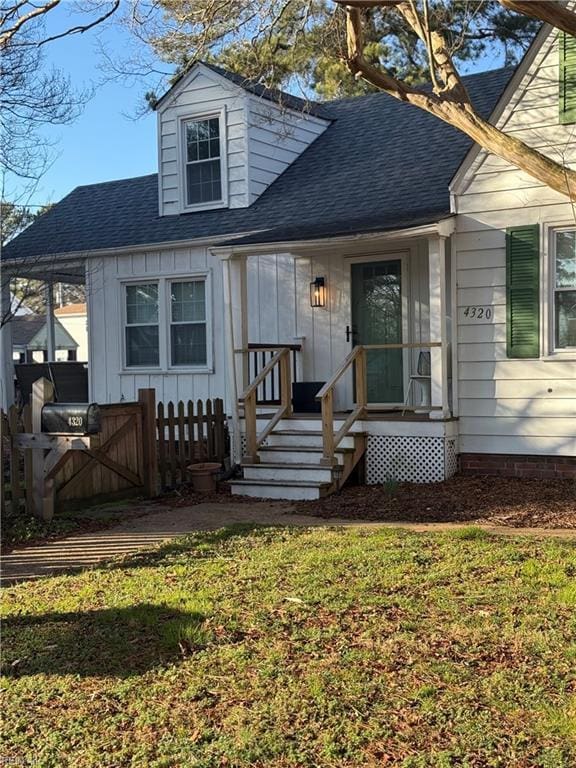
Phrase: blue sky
(104,143)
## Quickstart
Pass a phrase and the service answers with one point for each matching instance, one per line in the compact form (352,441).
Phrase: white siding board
(518,370)
(519,407)
(276,136)
(527,427)
(109,381)
(479,278)
(496,389)
(532,197)
(511,406)
(481,260)
(203,95)
(481,333)
(262,138)
(484,296)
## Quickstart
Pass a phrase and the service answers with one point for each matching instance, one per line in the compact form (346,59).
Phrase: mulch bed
(507,501)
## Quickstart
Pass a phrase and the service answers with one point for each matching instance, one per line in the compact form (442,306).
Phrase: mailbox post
(56,429)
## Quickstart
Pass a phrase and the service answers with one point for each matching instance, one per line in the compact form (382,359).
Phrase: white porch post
(50,330)
(236,323)
(438,326)
(6,363)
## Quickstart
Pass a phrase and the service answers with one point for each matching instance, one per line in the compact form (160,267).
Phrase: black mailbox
(76,418)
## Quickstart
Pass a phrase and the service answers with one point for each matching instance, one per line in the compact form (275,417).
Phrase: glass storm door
(377,319)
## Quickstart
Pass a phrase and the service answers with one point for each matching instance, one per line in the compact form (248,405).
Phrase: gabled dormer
(222,140)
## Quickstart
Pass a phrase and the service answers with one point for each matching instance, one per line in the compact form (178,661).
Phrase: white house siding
(77,327)
(276,137)
(109,380)
(203,94)
(511,405)
(280,312)
(262,138)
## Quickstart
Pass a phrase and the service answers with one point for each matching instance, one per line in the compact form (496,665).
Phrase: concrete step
(298,454)
(289,473)
(297,437)
(273,489)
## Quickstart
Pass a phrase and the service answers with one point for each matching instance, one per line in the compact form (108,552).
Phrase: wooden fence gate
(40,471)
(138,450)
(116,468)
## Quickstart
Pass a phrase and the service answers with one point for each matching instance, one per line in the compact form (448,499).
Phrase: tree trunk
(453,105)
(534,163)
(554,13)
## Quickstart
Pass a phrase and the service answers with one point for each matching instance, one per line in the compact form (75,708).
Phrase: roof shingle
(380,165)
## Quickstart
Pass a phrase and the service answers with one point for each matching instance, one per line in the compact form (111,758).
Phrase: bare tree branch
(41,10)
(83,27)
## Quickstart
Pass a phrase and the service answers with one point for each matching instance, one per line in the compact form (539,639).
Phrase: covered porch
(351,336)
(42,274)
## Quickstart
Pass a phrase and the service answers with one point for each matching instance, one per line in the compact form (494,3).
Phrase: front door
(377,319)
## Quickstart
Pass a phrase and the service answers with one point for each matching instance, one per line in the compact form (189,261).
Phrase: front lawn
(22,528)
(276,648)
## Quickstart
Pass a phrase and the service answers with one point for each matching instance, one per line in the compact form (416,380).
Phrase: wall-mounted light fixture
(318,292)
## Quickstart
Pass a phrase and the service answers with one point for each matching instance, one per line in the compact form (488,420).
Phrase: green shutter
(567,48)
(523,291)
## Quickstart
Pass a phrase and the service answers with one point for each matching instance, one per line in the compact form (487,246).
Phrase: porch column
(6,363)
(50,330)
(438,326)
(236,324)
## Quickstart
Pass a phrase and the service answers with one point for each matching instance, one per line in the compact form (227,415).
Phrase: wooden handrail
(330,441)
(411,345)
(249,397)
(339,373)
(326,395)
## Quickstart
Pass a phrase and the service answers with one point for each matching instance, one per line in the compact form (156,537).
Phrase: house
(29,340)
(74,318)
(420,292)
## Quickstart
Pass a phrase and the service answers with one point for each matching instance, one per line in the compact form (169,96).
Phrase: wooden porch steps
(290,465)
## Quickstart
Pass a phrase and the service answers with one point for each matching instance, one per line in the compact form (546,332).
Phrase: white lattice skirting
(410,459)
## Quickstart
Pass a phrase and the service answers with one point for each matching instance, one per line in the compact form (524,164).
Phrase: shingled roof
(380,165)
(29,331)
(282,98)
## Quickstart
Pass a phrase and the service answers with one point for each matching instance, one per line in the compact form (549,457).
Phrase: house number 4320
(478,313)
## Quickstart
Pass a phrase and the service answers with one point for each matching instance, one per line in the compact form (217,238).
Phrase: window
(142,337)
(203,166)
(188,323)
(564,273)
(167,323)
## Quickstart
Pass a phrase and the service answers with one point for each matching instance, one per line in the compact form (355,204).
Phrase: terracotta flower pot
(204,476)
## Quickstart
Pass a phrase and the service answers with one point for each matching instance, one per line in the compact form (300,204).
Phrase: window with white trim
(167,324)
(142,333)
(564,277)
(203,161)
(188,322)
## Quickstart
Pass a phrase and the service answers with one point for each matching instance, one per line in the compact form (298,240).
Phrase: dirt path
(87,549)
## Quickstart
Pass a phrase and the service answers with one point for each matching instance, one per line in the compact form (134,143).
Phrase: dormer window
(203,166)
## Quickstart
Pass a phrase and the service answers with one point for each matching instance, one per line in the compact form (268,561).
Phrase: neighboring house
(329,230)
(74,318)
(29,340)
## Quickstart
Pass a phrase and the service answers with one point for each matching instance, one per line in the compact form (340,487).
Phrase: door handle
(350,332)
